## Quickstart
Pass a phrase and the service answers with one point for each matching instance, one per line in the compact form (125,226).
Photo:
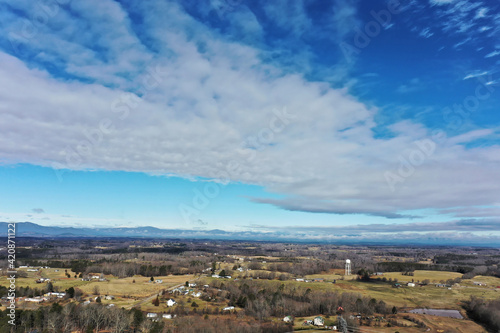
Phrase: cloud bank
(160,93)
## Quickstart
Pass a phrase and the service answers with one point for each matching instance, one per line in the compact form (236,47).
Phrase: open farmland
(420,275)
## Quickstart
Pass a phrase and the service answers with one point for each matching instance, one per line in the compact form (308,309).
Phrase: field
(412,297)
(433,276)
(58,279)
(124,287)
(141,288)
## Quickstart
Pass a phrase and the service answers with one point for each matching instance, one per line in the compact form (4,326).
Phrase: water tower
(348,267)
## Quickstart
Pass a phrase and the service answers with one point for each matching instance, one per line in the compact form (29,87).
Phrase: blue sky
(270,116)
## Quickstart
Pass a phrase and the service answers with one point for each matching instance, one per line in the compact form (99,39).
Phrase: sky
(342,119)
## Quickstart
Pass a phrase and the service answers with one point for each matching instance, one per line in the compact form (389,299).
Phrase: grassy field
(414,297)
(114,286)
(433,276)
(491,281)
(141,288)
(443,324)
(58,279)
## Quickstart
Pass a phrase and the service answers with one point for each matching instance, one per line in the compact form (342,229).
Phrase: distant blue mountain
(29,229)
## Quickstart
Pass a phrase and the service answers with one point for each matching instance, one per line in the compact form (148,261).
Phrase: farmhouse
(37,299)
(42,280)
(94,276)
(318,321)
(53,294)
(171,302)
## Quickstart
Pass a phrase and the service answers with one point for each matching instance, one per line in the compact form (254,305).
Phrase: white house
(159,281)
(410,284)
(168,316)
(227,308)
(192,284)
(171,302)
(152,315)
(58,295)
(318,321)
(288,319)
(109,297)
(37,299)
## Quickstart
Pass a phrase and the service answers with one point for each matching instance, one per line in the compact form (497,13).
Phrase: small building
(228,308)
(171,302)
(288,319)
(410,284)
(109,297)
(159,281)
(152,315)
(319,321)
(168,316)
(37,299)
(95,276)
(192,284)
(54,294)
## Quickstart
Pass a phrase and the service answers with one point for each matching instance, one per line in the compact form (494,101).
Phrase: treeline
(95,317)
(395,266)
(170,265)
(486,313)
(128,269)
(262,299)
(303,267)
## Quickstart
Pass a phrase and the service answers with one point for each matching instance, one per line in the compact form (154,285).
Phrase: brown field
(141,288)
(433,276)
(443,324)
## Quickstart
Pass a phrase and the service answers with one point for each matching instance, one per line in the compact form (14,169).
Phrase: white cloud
(440,2)
(213,106)
(492,54)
